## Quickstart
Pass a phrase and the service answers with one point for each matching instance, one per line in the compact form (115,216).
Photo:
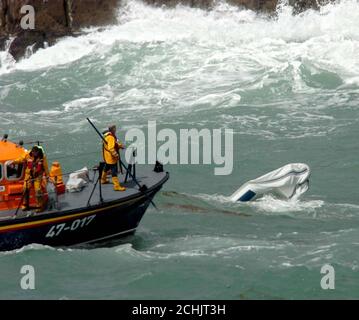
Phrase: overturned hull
(287,182)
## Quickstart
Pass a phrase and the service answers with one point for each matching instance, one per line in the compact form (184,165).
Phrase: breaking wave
(309,47)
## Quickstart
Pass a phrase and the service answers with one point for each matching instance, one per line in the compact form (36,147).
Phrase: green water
(289,88)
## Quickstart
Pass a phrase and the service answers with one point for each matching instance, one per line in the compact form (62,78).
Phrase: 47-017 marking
(79,223)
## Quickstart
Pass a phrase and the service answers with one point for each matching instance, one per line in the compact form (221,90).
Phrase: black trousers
(113,168)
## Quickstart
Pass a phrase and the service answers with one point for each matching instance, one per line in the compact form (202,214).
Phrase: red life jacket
(36,167)
(39,167)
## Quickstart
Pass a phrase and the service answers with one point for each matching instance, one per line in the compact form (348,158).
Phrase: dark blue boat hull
(87,225)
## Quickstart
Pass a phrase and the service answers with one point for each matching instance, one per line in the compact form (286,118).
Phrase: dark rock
(50,15)
(3,40)
(86,13)
(33,40)
(53,19)
(303,5)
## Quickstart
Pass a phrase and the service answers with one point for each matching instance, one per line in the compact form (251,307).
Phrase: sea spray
(287,84)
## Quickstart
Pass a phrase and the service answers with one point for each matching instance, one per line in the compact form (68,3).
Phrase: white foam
(267,203)
(273,205)
(275,44)
(213,197)
(93,102)
(30,247)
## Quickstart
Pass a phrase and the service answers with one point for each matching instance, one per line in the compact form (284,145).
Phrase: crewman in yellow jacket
(36,167)
(111,157)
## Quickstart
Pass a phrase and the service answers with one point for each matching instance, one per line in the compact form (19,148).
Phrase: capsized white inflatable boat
(287,182)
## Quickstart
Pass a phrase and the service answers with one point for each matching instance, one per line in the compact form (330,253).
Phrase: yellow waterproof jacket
(111,149)
(110,154)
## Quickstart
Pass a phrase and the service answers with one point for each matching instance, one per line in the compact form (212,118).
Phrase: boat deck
(74,200)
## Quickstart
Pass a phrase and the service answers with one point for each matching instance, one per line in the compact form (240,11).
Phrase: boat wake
(267,205)
(32,247)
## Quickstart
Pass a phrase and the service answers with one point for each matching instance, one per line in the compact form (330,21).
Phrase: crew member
(35,169)
(111,157)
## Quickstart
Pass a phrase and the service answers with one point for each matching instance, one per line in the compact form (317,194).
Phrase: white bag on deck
(78,180)
(288,182)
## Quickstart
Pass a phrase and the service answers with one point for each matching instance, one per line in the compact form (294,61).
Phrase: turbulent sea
(289,88)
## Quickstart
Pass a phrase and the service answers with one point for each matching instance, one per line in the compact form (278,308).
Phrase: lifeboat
(93,214)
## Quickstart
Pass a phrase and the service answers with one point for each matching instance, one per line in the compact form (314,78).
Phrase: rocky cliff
(57,18)
(53,19)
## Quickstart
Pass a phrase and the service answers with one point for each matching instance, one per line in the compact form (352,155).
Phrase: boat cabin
(12,176)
